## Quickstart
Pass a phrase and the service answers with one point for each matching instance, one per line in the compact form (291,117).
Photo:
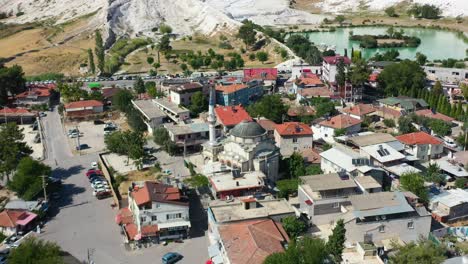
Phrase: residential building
(174,111)
(19,204)
(385,112)
(167,84)
(325,130)
(434,115)
(268,125)
(267,75)
(297,111)
(182,94)
(152,115)
(18,115)
(247,230)
(15,221)
(383,155)
(461,157)
(449,206)
(225,183)
(404,104)
(34,95)
(422,145)
(188,135)
(306,81)
(299,67)
(108,93)
(234,94)
(359,111)
(329,70)
(308,93)
(293,137)
(159,212)
(452,167)
(378,217)
(247,149)
(446,74)
(229,116)
(83,108)
(365,139)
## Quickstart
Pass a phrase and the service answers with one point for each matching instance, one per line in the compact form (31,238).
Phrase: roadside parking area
(32,138)
(89,134)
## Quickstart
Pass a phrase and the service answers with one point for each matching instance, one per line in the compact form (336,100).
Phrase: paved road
(79,222)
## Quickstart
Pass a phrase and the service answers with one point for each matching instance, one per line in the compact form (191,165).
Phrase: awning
(26,219)
(174,224)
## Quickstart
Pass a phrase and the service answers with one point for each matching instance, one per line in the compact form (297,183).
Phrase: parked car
(171,258)
(103,195)
(94,165)
(42,114)
(98,122)
(93,171)
(74,135)
(100,191)
(71,131)
(82,146)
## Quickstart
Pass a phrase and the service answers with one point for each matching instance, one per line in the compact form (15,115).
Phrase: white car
(100,185)
(74,135)
(94,165)
(100,191)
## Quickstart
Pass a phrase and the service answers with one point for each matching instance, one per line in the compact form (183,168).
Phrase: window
(336,205)
(154,218)
(142,219)
(455,73)
(173,216)
(411,224)
(382,229)
(294,140)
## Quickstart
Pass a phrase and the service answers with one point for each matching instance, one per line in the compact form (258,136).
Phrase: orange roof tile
(37,91)
(301,110)
(85,103)
(267,124)
(309,79)
(340,121)
(157,192)
(434,115)
(359,109)
(315,92)
(293,129)
(250,242)
(132,231)
(227,89)
(149,230)
(418,138)
(231,115)
(8,218)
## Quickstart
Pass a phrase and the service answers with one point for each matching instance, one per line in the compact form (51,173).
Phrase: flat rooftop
(381,203)
(342,156)
(383,152)
(229,211)
(331,181)
(163,102)
(184,129)
(401,169)
(367,182)
(148,108)
(225,181)
(451,197)
(372,139)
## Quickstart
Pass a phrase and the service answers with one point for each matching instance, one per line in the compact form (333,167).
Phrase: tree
(389,122)
(340,19)
(390,31)
(36,251)
(99,51)
(313,170)
(164,45)
(464,88)
(197,181)
(437,89)
(165,29)
(199,103)
(404,75)
(421,58)
(12,148)
(296,165)
(135,121)
(139,85)
(129,143)
(183,67)
(27,181)
(92,67)
(287,187)
(293,226)
(71,92)
(269,106)
(150,60)
(339,132)
(433,174)
(308,250)
(122,101)
(424,251)
(440,127)
(391,12)
(262,56)
(414,183)
(340,73)
(95,95)
(335,244)
(359,72)
(247,33)
(161,137)
(12,82)
(461,183)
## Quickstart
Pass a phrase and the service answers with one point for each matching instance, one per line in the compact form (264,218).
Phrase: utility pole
(44,187)
(78,140)
(90,253)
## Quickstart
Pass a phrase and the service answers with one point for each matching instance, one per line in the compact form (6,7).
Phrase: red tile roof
(250,242)
(334,59)
(309,79)
(231,88)
(436,115)
(310,155)
(125,216)
(8,218)
(132,231)
(39,92)
(83,104)
(231,115)
(340,121)
(267,124)
(359,109)
(261,73)
(14,111)
(109,92)
(149,230)
(315,92)
(157,192)
(418,138)
(294,129)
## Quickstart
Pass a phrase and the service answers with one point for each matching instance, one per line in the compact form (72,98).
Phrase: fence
(110,178)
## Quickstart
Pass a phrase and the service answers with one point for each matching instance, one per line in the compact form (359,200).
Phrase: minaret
(212,117)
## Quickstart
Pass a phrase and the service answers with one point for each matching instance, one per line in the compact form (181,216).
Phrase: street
(81,224)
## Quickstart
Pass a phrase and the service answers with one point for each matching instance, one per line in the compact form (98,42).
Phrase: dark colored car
(171,258)
(98,122)
(82,146)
